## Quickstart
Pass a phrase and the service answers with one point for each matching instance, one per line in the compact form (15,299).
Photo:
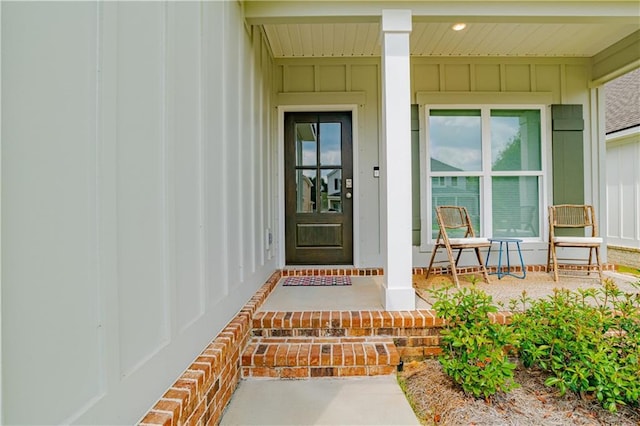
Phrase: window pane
(330,197)
(330,144)
(306,191)
(306,154)
(456,191)
(515,140)
(455,140)
(515,206)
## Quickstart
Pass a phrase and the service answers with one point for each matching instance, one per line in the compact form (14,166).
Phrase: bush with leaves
(475,349)
(589,340)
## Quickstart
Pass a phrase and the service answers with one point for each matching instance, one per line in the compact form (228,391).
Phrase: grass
(628,270)
(402,381)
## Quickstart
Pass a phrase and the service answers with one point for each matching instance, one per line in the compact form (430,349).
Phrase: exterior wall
(200,395)
(445,80)
(623,192)
(137,195)
(344,81)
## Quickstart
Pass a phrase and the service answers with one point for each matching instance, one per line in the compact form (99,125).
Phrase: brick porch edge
(200,394)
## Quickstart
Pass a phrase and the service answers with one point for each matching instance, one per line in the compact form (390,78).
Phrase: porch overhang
(606,31)
(545,11)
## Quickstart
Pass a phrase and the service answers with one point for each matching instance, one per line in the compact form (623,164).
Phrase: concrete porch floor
(364,294)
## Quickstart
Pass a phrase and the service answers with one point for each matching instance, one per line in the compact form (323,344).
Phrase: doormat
(324,280)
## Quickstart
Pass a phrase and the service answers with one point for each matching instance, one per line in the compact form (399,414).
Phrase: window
(490,161)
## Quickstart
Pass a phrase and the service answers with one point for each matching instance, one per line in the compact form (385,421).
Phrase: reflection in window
(465,193)
(515,140)
(331,197)
(455,140)
(515,206)
(305,191)
(319,167)
(330,144)
(306,136)
(505,200)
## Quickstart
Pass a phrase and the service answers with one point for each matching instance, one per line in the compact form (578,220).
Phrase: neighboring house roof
(622,99)
(443,167)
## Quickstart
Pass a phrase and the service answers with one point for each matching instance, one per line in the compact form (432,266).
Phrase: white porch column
(396,161)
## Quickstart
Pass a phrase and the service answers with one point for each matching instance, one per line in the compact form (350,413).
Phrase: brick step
(319,357)
(416,334)
(344,319)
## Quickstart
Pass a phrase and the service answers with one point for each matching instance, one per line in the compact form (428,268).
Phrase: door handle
(348,195)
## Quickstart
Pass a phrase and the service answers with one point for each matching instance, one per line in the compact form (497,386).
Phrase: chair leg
(433,256)
(458,256)
(485,275)
(555,262)
(599,263)
(453,264)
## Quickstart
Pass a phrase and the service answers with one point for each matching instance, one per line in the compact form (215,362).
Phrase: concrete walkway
(349,401)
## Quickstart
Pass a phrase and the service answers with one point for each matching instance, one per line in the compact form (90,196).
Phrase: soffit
(437,39)
(323,28)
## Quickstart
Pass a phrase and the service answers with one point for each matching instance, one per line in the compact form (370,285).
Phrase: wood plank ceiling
(438,39)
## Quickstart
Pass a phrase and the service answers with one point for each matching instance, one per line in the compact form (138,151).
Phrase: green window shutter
(567,157)
(415,174)
(567,154)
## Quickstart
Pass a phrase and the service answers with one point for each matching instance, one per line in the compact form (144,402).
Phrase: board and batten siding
(441,80)
(623,192)
(336,81)
(137,198)
(511,81)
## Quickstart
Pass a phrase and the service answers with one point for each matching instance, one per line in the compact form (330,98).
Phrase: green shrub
(589,340)
(474,349)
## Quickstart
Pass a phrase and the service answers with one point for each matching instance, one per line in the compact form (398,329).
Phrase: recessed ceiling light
(459,27)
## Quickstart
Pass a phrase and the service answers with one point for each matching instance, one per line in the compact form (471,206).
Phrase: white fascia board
(539,11)
(623,134)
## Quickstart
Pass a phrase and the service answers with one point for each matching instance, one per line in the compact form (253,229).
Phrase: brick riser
(415,334)
(300,358)
(419,270)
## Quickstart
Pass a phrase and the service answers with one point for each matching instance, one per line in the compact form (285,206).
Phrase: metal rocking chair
(457,218)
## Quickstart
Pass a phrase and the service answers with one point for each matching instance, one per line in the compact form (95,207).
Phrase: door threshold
(319,267)
(329,270)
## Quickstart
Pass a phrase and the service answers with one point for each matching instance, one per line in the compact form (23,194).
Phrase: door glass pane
(305,191)
(330,144)
(515,206)
(331,195)
(456,191)
(515,140)
(306,137)
(455,140)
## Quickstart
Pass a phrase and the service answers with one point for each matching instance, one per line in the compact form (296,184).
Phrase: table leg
(524,270)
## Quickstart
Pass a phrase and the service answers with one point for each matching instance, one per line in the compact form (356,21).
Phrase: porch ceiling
(438,39)
(494,29)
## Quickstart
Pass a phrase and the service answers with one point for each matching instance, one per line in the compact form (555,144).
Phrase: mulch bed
(438,401)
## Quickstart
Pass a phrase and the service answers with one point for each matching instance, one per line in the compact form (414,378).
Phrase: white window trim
(426,206)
